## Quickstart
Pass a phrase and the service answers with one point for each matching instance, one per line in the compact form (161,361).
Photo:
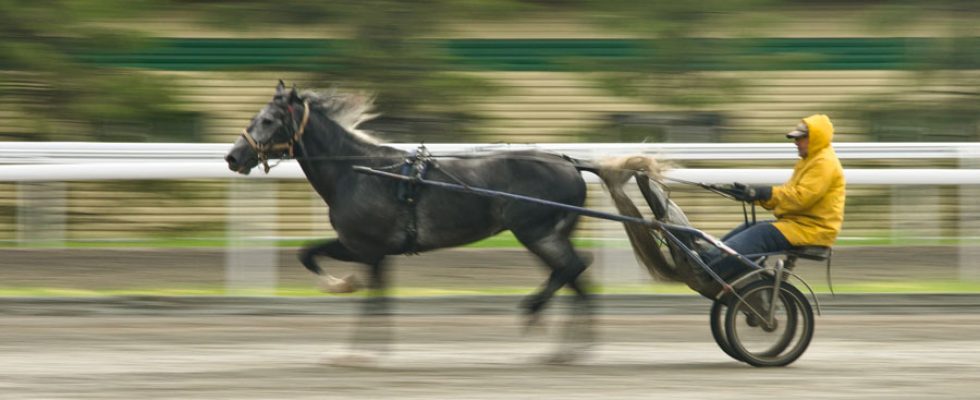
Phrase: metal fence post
(251,254)
(969,221)
(41,209)
(915,213)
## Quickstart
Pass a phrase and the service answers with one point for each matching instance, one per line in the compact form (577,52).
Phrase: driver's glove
(745,192)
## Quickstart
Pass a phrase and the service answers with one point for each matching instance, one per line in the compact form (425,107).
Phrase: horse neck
(326,152)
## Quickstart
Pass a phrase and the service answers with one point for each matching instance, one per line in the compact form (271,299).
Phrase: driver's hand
(742,192)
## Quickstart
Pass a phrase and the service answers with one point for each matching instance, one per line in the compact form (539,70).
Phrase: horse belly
(454,223)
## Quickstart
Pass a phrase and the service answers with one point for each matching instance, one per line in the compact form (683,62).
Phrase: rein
(263,149)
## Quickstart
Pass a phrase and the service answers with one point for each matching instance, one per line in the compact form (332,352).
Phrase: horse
(376,217)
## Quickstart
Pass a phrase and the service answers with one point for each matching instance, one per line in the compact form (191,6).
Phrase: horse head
(272,132)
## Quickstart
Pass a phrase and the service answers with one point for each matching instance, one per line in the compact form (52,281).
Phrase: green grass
(503,240)
(904,287)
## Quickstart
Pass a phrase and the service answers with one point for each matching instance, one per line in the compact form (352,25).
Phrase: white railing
(291,170)
(84,152)
(45,161)
(65,161)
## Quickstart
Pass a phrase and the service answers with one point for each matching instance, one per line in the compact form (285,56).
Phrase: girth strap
(416,166)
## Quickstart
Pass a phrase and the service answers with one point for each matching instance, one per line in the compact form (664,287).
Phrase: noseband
(263,149)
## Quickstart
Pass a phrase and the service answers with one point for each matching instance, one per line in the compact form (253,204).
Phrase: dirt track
(473,357)
(875,347)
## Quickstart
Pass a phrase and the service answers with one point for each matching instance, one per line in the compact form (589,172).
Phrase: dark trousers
(746,239)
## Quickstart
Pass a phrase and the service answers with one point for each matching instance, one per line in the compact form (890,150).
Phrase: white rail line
(291,170)
(85,152)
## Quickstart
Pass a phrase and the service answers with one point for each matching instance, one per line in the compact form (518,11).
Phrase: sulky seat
(816,253)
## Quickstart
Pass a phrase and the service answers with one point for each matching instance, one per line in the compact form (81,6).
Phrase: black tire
(783,342)
(718,314)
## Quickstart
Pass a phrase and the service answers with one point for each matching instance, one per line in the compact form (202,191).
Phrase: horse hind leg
(566,269)
(556,251)
(577,334)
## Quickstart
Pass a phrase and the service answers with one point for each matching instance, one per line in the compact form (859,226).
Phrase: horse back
(448,218)
(530,173)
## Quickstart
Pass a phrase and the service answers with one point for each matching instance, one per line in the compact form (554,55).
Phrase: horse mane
(348,110)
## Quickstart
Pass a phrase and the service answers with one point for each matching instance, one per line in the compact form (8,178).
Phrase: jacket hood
(821,132)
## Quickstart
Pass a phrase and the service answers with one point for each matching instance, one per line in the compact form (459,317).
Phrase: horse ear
(293,96)
(280,88)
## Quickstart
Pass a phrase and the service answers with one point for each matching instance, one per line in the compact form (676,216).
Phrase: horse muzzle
(241,167)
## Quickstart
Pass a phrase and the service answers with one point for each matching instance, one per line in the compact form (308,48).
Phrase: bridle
(262,150)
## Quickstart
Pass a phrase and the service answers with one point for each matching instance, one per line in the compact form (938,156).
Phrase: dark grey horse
(375,217)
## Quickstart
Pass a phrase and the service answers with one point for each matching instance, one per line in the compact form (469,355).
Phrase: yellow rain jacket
(810,207)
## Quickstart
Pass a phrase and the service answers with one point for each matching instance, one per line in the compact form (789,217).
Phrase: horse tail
(615,172)
(583,165)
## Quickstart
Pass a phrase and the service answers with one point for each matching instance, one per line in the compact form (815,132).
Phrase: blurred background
(477,71)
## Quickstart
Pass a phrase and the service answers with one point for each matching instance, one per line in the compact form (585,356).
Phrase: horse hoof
(533,305)
(330,284)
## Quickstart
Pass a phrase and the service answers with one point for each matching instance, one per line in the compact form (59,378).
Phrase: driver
(809,208)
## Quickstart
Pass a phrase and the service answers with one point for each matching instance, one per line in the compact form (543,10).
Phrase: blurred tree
(677,65)
(387,50)
(943,103)
(56,96)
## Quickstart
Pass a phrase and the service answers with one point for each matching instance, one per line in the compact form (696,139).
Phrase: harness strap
(302,126)
(262,149)
(415,167)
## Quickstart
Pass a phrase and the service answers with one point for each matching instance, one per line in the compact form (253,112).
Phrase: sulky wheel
(763,341)
(718,314)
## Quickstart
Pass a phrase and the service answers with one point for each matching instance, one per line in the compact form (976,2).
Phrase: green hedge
(563,54)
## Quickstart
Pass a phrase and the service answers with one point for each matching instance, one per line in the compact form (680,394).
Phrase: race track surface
(206,353)
(648,347)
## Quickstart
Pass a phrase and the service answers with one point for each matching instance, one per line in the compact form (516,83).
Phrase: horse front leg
(371,336)
(373,331)
(334,249)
